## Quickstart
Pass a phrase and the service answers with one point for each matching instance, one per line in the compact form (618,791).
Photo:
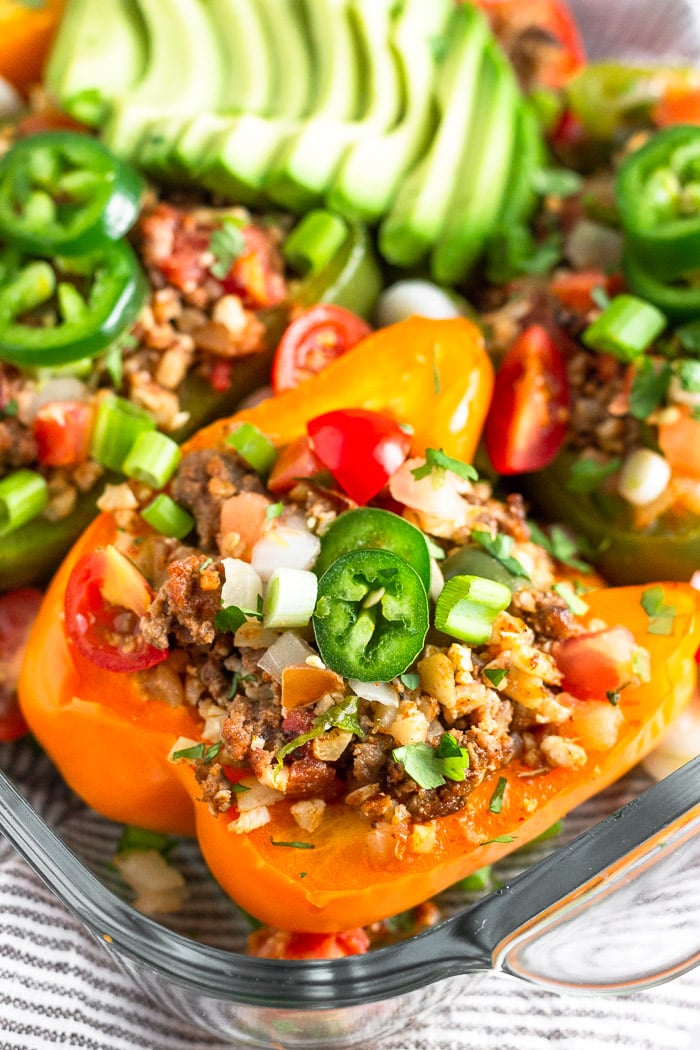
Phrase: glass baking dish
(584,912)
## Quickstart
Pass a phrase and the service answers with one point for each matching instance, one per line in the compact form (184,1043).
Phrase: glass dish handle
(635,925)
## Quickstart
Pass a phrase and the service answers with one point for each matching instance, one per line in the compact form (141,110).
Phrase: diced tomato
(314,339)
(245,515)
(362,449)
(62,430)
(680,443)
(541,38)
(295,461)
(527,420)
(18,609)
(220,374)
(598,663)
(257,275)
(680,104)
(105,597)
(574,290)
(270,943)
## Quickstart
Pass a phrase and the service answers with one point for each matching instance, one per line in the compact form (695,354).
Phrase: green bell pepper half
(64,193)
(669,550)
(657,191)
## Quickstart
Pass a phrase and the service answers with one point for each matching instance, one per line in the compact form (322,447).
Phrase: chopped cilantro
(495,675)
(560,544)
(613,696)
(499,547)
(649,388)
(496,803)
(205,564)
(513,251)
(429,766)
(411,681)
(586,474)
(292,845)
(555,182)
(226,244)
(273,510)
(688,373)
(689,336)
(437,460)
(236,681)
(499,838)
(229,619)
(238,789)
(661,616)
(343,715)
(207,754)
(574,604)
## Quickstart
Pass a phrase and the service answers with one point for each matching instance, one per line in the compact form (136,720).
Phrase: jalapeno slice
(58,311)
(64,193)
(371,527)
(371,617)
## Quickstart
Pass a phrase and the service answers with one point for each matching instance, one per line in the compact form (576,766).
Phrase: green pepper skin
(372,527)
(678,302)
(351,279)
(621,555)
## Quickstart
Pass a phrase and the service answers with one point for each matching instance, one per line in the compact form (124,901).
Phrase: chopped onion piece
(643,477)
(242,586)
(377,692)
(58,388)
(437,580)
(158,886)
(285,546)
(290,598)
(414,298)
(287,651)
(256,794)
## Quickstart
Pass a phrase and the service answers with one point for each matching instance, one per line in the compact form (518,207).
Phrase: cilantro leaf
(661,616)
(499,838)
(499,547)
(343,715)
(236,682)
(496,803)
(229,619)
(292,845)
(495,675)
(688,373)
(436,459)
(649,388)
(226,244)
(559,544)
(586,474)
(273,510)
(430,766)
(410,681)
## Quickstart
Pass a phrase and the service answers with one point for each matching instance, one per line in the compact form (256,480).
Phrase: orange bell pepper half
(327,881)
(26,33)
(110,742)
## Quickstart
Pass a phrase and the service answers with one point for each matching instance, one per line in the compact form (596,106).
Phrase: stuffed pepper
(330,646)
(124,311)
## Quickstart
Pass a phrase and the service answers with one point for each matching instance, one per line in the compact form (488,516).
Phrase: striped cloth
(59,987)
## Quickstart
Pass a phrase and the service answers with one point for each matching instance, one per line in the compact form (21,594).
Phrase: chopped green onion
(167,517)
(153,459)
(468,606)
(575,605)
(23,496)
(314,241)
(117,425)
(290,598)
(626,328)
(254,447)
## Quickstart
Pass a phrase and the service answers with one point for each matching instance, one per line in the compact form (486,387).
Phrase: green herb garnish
(436,460)
(499,547)
(226,245)
(430,767)
(661,616)
(496,803)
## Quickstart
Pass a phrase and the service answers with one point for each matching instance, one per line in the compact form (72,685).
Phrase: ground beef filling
(241,703)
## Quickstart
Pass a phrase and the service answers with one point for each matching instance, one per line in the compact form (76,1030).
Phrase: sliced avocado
(127,125)
(95,60)
(291,72)
(248,77)
(421,210)
(183,70)
(191,145)
(529,155)
(478,194)
(305,168)
(372,170)
(239,156)
(337,93)
(155,149)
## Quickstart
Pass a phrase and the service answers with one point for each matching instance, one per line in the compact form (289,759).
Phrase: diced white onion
(158,886)
(290,598)
(285,546)
(590,245)
(434,494)
(643,477)
(58,388)
(242,585)
(410,298)
(252,635)
(289,650)
(10,99)
(256,795)
(377,692)
(437,580)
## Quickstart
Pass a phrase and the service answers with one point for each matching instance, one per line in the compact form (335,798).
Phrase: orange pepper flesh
(26,33)
(111,743)
(335,885)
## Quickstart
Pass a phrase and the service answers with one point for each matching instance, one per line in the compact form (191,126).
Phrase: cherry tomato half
(597,663)
(62,430)
(314,339)
(362,449)
(104,631)
(526,422)
(18,610)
